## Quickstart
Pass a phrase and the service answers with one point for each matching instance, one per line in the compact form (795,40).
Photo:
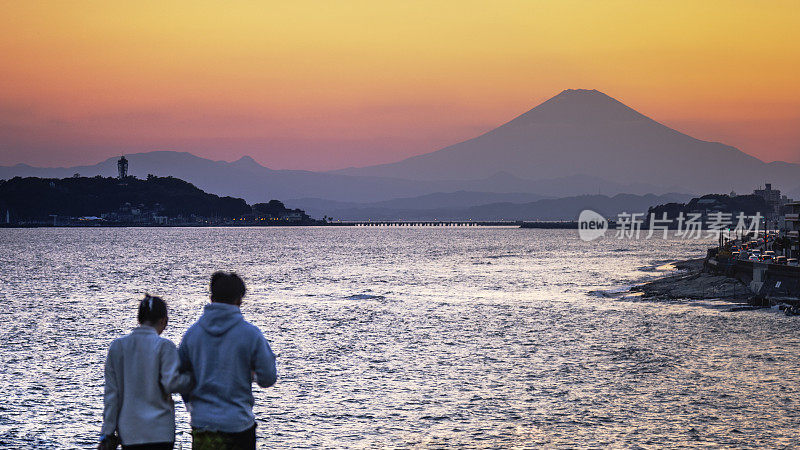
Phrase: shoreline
(693,283)
(416,224)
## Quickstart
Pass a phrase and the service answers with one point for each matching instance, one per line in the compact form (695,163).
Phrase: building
(294,217)
(792,218)
(773,199)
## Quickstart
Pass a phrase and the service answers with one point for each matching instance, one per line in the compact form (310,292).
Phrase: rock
(695,285)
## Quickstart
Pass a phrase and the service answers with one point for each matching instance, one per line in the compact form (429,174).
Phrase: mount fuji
(585,132)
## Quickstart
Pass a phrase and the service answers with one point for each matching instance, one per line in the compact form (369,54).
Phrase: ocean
(413,336)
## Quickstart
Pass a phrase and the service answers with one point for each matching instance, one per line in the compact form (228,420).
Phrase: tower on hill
(122,168)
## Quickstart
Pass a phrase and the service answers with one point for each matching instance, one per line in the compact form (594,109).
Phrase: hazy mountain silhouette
(439,200)
(566,208)
(247,179)
(587,132)
(243,178)
(578,142)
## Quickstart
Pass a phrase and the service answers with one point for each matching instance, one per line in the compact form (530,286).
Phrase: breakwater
(425,223)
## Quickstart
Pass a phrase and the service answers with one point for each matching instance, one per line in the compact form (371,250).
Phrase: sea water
(413,336)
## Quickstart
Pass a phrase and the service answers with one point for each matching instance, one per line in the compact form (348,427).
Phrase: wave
(365,297)
(613,292)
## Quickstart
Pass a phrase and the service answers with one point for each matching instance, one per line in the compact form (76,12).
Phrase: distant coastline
(313,223)
(129,201)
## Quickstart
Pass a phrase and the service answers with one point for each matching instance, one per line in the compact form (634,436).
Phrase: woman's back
(141,373)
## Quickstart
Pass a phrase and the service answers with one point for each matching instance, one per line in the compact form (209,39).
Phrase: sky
(323,85)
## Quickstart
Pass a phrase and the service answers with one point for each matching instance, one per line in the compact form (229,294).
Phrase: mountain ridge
(564,208)
(577,142)
(587,131)
(247,179)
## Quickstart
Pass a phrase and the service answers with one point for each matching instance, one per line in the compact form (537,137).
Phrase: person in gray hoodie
(225,354)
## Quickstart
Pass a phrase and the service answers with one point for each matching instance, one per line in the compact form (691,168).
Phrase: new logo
(591,225)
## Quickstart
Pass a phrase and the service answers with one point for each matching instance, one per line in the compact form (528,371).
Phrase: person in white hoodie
(141,373)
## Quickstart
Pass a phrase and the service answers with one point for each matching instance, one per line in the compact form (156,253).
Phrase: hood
(218,318)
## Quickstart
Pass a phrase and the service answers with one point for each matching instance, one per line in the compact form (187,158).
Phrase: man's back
(224,351)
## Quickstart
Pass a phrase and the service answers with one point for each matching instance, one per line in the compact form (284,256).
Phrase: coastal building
(792,219)
(774,200)
(294,216)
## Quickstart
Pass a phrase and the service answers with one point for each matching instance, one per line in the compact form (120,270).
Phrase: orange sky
(331,84)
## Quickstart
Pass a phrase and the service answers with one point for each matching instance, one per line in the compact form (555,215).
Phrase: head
(227,287)
(153,313)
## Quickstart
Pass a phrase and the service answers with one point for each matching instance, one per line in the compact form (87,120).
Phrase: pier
(426,223)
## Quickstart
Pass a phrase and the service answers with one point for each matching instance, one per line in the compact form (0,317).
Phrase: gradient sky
(332,84)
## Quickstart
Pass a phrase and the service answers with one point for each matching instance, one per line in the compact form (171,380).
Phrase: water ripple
(409,337)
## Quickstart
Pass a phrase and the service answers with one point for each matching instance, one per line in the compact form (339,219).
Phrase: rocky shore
(694,284)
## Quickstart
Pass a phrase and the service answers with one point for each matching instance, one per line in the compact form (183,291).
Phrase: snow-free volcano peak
(586,132)
(576,106)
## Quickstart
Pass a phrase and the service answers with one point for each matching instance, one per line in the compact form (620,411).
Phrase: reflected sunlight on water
(411,336)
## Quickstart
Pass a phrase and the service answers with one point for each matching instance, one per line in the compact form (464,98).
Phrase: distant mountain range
(243,178)
(566,208)
(247,179)
(578,143)
(407,206)
(587,132)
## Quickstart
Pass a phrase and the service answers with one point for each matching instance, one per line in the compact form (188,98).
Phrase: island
(130,201)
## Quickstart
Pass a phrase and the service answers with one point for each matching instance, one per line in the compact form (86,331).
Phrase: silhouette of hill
(247,179)
(155,200)
(439,200)
(242,178)
(578,142)
(587,132)
(32,197)
(749,205)
(566,208)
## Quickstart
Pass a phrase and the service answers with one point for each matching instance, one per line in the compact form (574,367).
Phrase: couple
(214,367)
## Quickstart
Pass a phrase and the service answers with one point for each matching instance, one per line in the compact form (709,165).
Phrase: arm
(183,357)
(185,366)
(171,379)
(111,397)
(264,364)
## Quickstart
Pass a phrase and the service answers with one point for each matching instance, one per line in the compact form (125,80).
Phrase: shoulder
(192,329)
(117,347)
(250,328)
(118,342)
(252,332)
(191,336)
(164,343)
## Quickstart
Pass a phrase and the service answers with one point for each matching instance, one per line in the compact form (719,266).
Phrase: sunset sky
(332,84)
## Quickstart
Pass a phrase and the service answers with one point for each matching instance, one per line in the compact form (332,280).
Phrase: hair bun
(152,309)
